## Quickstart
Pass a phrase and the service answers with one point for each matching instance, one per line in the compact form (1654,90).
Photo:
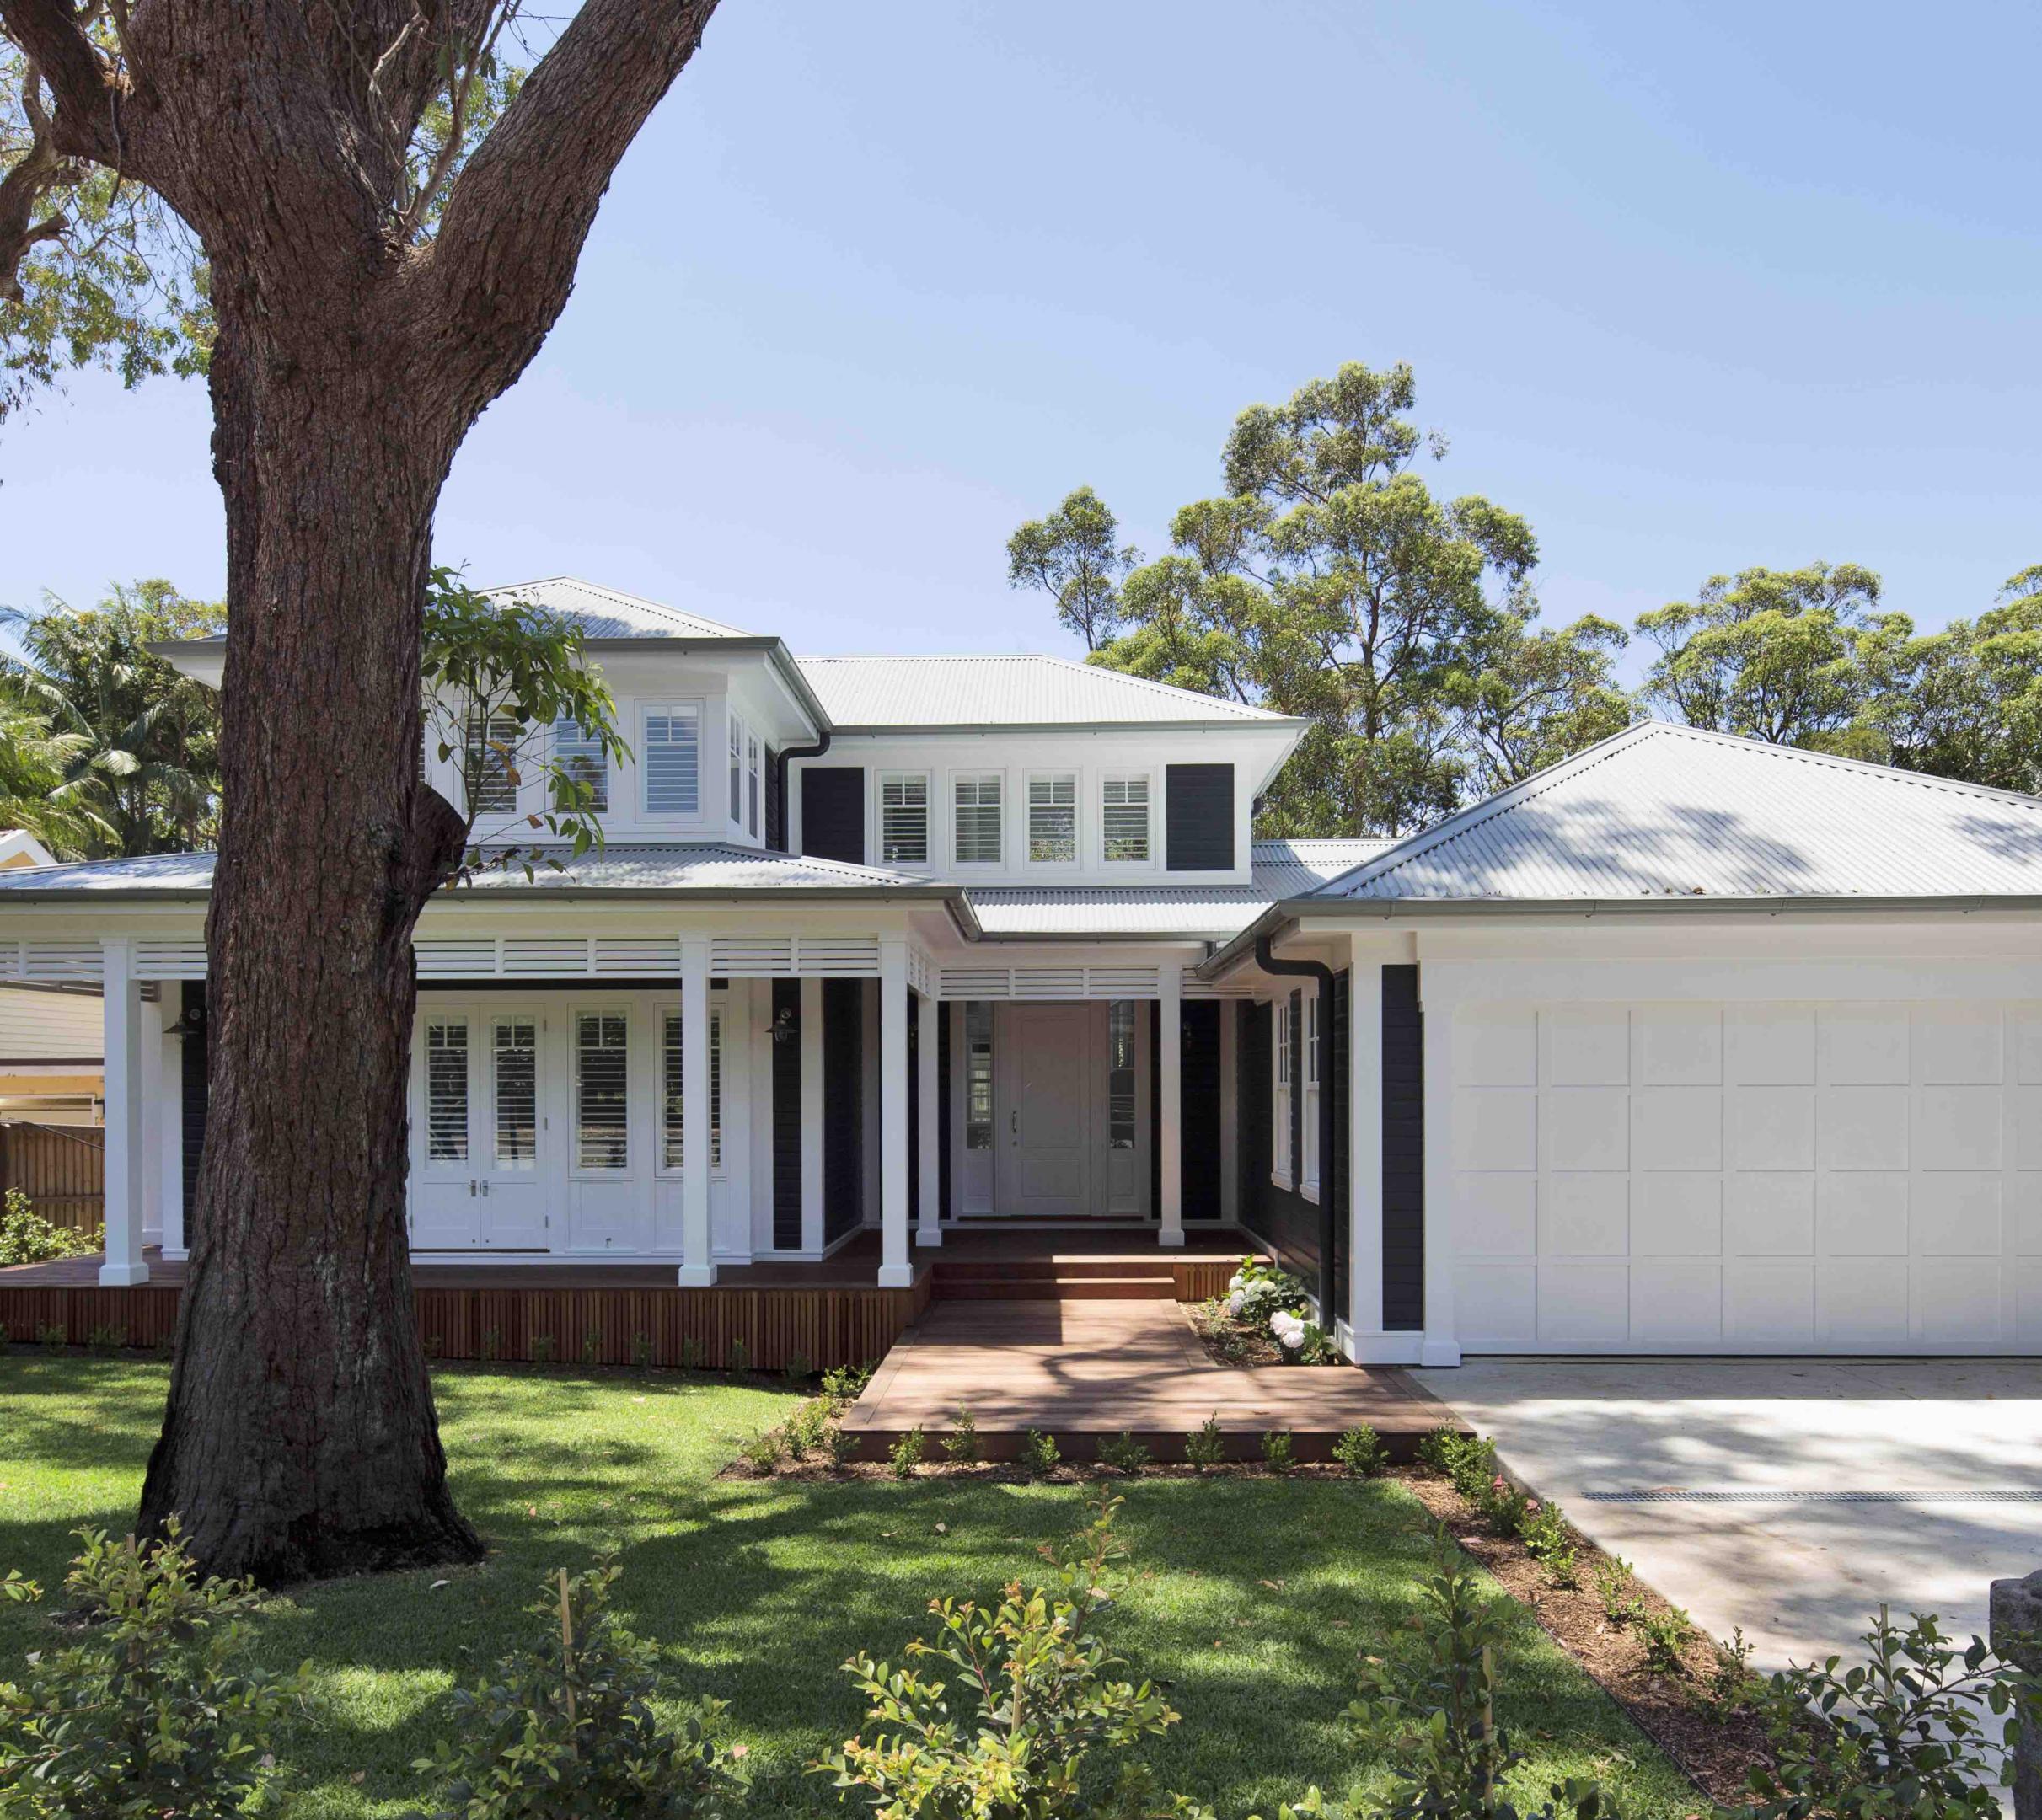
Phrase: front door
(1042,1136)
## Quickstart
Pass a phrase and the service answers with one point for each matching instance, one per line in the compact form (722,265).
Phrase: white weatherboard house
(1686,1045)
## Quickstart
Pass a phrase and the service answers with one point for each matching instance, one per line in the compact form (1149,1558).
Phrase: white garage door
(1770,1178)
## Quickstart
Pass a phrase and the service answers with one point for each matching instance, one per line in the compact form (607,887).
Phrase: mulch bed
(1717,1755)
(1228,1341)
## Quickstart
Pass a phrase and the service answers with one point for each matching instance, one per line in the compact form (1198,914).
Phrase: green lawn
(1254,1599)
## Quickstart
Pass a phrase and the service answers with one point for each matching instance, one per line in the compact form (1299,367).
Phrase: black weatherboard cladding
(787,1119)
(1198,834)
(843,1106)
(1403,1151)
(833,812)
(192,1079)
(1200,1128)
(776,804)
(943,1205)
(1343,1169)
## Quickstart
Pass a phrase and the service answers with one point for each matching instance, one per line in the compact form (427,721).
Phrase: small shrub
(1903,1733)
(844,1384)
(691,1353)
(1278,1451)
(151,1710)
(799,1368)
(1473,1470)
(1435,1449)
(762,1452)
(1503,1507)
(805,1430)
(960,1444)
(54,1335)
(1613,1589)
(1542,1530)
(27,1238)
(1206,1445)
(1039,1453)
(1731,1686)
(567,1725)
(1664,1634)
(1123,1452)
(106,1340)
(491,1347)
(642,1350)
(1038,1699)
(591,1346)
(435,1345)
(737,1357)
(908,1453)
(544,1349)
(1430,1712)
(840,1446)
(1361,1454)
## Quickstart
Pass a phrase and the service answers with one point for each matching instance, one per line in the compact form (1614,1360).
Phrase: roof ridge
(1837,761)
(662,608)
(1238,710)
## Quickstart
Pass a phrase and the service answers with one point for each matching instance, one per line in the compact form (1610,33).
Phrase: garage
(1823,1176)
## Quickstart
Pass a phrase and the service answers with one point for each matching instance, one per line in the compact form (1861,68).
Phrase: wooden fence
(61,1168)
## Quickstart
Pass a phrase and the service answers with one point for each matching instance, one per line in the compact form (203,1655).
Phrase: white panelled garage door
(1770,1178)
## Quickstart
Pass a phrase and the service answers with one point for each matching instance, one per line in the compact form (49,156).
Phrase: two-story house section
(1685,1043)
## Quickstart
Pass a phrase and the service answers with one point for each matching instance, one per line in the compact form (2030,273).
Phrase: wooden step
(1087,1288)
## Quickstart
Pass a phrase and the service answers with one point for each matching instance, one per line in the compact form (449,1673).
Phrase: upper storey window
(980,834)
(1053,819)
(752,790)
(491,779)
(904,818)
(582,761)
(670,758)
(1124,819)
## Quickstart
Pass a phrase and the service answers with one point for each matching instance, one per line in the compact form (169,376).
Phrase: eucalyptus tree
(381,262)
(1075,557)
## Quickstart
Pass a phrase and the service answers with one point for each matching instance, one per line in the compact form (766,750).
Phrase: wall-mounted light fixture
(784,1028)
(189,1022)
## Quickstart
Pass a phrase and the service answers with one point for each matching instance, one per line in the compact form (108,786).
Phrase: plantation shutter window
(601,1090)
(1279,1148)
(903,820)
(673,1125)
(1052,820)
(582,768)
(1124,818)
(976,805)
(670,758)
(447,1090)
(977,1075)
(1310,1125)
(751,783)
(514,1061)
(1120,1075)
(487,760)
(737,770)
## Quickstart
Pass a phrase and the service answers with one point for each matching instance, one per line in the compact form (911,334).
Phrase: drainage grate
(1676,1496)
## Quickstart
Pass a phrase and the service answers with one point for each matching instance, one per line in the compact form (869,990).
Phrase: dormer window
(670,759)
(737,770)
(980,835)
(1124,819)
(580,760)
(752,790)
(904,819)
(491,781)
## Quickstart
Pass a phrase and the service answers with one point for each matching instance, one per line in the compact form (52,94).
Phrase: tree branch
(52,35)
(481,297)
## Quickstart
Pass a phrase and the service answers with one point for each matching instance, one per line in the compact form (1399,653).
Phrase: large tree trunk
(300,1437)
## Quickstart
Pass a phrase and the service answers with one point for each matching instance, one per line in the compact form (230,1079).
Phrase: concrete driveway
(1913,1482)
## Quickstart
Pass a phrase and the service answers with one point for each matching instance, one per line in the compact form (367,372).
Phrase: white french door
(478,1177)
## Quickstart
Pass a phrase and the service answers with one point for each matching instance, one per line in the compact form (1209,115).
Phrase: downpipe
(782,760)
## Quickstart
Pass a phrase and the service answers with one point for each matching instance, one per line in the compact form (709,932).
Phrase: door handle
(485,1191)
(1014,1123)
(471,1190)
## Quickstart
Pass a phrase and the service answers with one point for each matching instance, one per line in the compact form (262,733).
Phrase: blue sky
(1692,287)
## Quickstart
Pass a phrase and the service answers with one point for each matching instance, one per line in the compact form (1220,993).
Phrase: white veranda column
(1170,1102)
(812,1116)
(929,1147)
(698,1268)
(126,1152)
(895,1272)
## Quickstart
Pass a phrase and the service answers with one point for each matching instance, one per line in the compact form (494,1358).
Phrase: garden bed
(1265,1317)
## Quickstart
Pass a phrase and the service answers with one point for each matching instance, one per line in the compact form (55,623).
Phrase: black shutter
(943,1065)
(776,803)
(1199,818)
(843,1106)
(833,813)
(192,1079)
(1251,1099)
(787,1119)
(1156,1114)
(1199,1128)
(1335,1180)
(1403,1151)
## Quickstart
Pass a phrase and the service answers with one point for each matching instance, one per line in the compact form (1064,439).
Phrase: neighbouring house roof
(680,869)
(1009,691)
(1662,811)
(19,848)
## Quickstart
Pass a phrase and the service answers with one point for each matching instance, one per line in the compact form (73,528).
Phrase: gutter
(1328,1213)
(784,756)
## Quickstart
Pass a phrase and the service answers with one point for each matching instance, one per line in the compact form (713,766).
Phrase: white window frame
(647,710)
(880,781)
(1279,1098)
(977,779)
(753,794)
(1147,780)
(718,1151)
(1308,1125)
(1076,781)
(576,744)
(737,733)
(577,1170)
(492,1060)
(481,735)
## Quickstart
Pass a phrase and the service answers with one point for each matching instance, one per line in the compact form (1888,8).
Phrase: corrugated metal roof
(603,612)
(704,866)
(1291,868)
(1210,913)
(1031,690)
(1671,812)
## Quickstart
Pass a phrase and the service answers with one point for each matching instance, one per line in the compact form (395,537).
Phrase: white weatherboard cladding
(1807,1176)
